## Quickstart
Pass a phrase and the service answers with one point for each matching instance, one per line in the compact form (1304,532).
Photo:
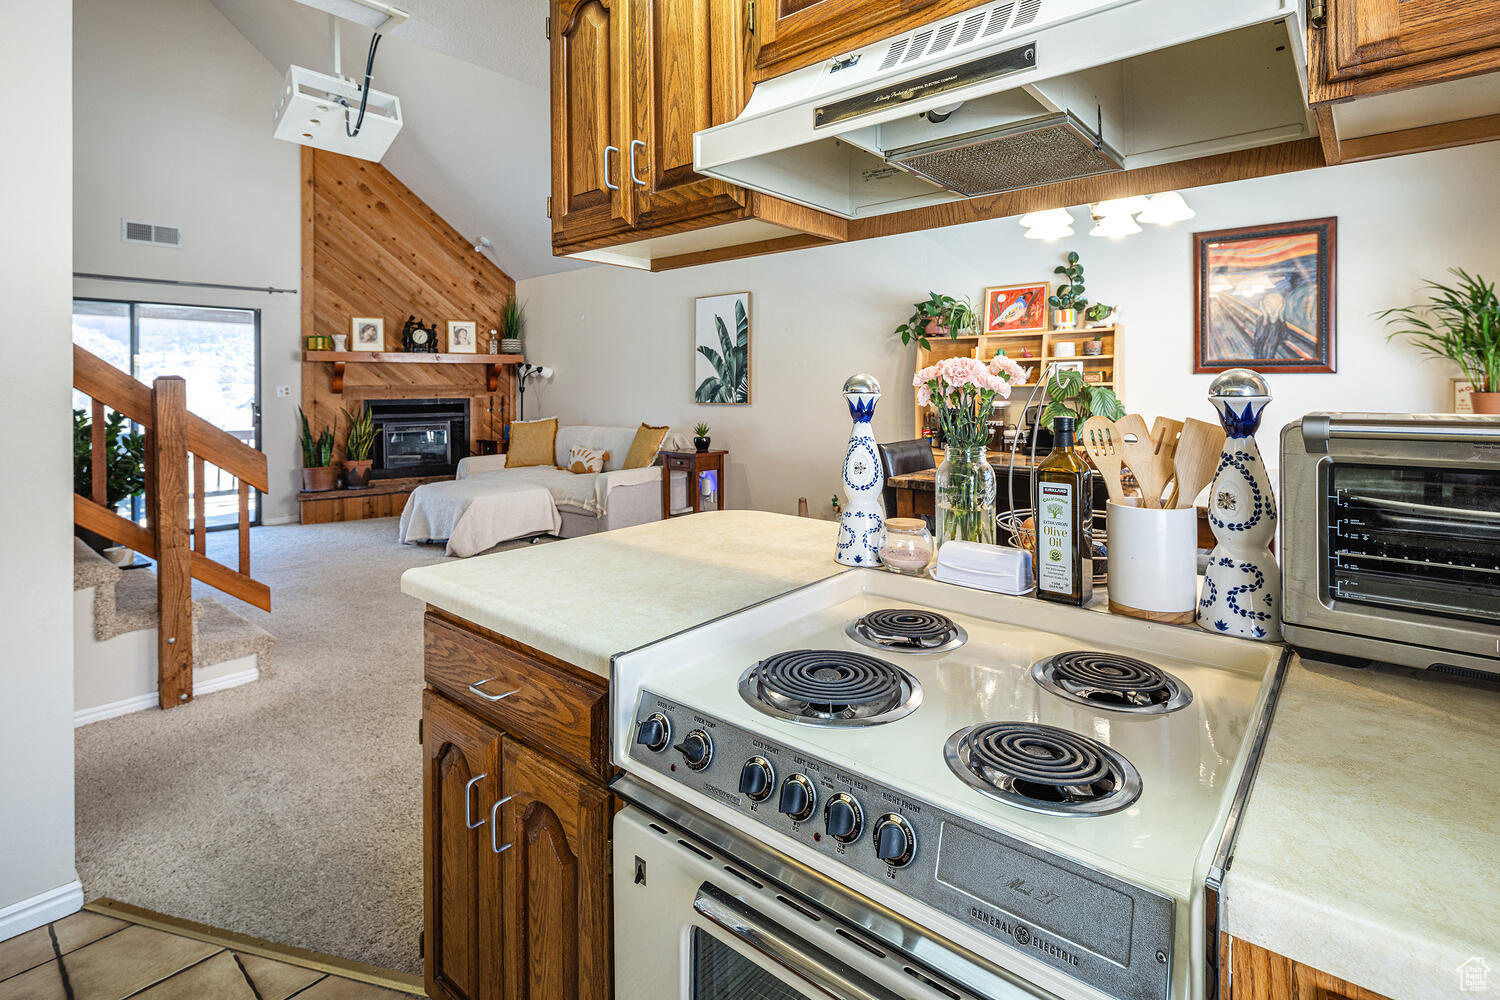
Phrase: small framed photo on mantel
(367,333)
(462,336)
(1264,298)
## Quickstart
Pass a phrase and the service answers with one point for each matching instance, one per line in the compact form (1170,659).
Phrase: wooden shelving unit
(339,359)
(1042,347)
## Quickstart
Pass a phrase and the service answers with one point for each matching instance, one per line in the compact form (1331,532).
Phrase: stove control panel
(1114,936)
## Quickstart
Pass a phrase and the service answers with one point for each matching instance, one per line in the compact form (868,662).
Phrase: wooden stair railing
(173,437)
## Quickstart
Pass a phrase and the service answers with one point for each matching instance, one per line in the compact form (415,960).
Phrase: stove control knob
(697,749)
(895,840)
(757,778)
(655,733)
(798,797)
(842,818)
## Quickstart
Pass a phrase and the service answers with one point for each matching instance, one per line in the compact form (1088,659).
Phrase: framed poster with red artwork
(1016,308)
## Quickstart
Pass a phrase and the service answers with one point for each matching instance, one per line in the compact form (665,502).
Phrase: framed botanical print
(721,349)
(1264,298)
(1016,308)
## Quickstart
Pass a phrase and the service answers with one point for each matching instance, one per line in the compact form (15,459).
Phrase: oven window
(1424,540)
(721,973)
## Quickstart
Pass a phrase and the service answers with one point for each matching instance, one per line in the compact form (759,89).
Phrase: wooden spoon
(1101,440)
(1196,461)
(1140,454)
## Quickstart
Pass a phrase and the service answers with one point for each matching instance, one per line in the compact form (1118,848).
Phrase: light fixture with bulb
(483,244)
(1115,226)
(1049,225)
(1164,209)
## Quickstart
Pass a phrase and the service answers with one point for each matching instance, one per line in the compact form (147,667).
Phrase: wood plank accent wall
(370,247)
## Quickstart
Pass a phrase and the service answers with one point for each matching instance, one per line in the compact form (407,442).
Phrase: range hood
(1016,94)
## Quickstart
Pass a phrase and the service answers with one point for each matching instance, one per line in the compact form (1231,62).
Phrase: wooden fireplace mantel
(491,362)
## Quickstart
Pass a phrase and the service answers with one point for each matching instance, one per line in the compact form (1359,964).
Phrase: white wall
(36,543)
(622,342)
(174,127)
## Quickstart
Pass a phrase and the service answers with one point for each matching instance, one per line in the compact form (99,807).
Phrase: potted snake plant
(357,448)
(318,471)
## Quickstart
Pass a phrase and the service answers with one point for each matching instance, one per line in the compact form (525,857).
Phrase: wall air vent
(1028,12)
(150,235)
(999,19)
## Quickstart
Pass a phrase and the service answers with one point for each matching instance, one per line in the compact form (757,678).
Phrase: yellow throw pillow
(583,459)
(643,449)
(531,442)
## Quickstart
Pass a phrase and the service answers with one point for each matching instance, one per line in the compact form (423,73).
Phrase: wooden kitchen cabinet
(790,34)
(516,821)
(591,194)
(1376,46)
(1257,974)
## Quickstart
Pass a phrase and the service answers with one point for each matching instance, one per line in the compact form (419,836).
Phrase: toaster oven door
(1396,541)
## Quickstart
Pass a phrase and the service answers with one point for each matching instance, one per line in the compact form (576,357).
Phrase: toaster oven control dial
(655,733)
(842,818)
(697,748)
(798,797)
(757,779)
(895,840)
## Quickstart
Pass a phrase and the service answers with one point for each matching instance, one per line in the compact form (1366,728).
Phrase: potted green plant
(1068,299)
(1071,396)
(357,448)
(318,472)
(937,316)
(700,436)
(1099,314)
(124,466)
(1460,322)
(512,322)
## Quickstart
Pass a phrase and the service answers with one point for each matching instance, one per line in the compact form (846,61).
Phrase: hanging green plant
(953,316)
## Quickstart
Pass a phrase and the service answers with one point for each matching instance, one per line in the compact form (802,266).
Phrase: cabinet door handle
(495,825)
(605,159)
(477,685)
(469,802)
(634,143)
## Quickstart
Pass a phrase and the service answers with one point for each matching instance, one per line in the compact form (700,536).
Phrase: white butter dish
(997,568)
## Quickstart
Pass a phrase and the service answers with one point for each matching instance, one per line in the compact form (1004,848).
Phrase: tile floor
(91,956)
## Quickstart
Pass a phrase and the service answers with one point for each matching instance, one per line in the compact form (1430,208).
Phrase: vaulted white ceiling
(472,78)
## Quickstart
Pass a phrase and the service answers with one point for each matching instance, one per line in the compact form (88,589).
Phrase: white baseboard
(43,908)
(141,702)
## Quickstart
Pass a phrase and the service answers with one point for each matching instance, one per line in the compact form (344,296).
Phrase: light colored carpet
(288,809)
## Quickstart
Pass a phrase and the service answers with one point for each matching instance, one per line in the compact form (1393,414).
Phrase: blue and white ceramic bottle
(1242,585)
(862,528)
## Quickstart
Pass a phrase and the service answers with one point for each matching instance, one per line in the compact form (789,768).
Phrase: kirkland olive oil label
(1054,538)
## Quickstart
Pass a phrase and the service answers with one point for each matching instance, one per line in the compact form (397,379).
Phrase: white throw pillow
(583,459)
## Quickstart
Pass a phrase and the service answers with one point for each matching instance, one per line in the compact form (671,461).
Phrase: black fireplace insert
(419,437)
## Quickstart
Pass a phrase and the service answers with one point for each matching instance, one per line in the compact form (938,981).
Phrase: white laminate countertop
(1368,846)
(585,599)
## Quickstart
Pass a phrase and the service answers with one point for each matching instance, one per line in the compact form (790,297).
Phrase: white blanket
(478,513)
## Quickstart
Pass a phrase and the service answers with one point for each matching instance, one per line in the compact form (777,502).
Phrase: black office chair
(899,458)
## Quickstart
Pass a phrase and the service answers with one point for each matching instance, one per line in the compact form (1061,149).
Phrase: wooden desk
(693,463)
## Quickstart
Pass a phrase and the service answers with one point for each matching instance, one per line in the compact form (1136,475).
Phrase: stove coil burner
(830,687)
(907,630)
(1043,769)
(1113,682)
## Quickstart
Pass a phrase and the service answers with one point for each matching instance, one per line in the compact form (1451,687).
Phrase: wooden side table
(694,463)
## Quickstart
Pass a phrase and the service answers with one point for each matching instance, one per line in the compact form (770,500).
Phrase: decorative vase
(1064,319)
(340,341)
(319,478)
(701,442)
(936,329)
(511,345)
(1242,585)
(1485,402)
(862,526)
(357,474)
(965,496)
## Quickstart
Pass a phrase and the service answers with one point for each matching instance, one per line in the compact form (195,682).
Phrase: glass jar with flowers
(963,392)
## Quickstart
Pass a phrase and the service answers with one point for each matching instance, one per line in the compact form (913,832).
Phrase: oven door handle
(813,966)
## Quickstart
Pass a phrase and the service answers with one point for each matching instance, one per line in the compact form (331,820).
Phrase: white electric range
(877,786)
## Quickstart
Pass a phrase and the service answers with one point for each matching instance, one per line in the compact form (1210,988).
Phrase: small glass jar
(908,547)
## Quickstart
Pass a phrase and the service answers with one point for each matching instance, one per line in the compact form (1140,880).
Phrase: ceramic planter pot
(701,442)
(511,345)
(320,479)
(357,474)
(1486,402)
(1064,319)
(1092,347)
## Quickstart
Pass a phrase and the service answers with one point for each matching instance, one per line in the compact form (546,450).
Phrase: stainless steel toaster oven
(1391,538)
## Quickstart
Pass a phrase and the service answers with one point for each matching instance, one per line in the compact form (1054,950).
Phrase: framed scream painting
(1016,308)
(1264,298)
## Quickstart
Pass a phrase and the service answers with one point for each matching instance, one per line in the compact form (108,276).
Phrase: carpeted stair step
(219,635)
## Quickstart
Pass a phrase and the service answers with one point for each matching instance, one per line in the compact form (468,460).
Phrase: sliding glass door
(217,350)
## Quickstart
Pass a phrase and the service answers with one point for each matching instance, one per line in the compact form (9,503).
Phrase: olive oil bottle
(1064,522)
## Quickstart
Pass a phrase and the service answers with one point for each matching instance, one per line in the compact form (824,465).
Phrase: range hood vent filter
(1029,154)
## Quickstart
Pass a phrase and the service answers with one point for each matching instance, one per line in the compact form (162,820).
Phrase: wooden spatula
(1197,459)
(1134,442)
(1164,431)
(1102,441)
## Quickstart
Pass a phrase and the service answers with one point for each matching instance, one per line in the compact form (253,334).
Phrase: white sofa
(584,502)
